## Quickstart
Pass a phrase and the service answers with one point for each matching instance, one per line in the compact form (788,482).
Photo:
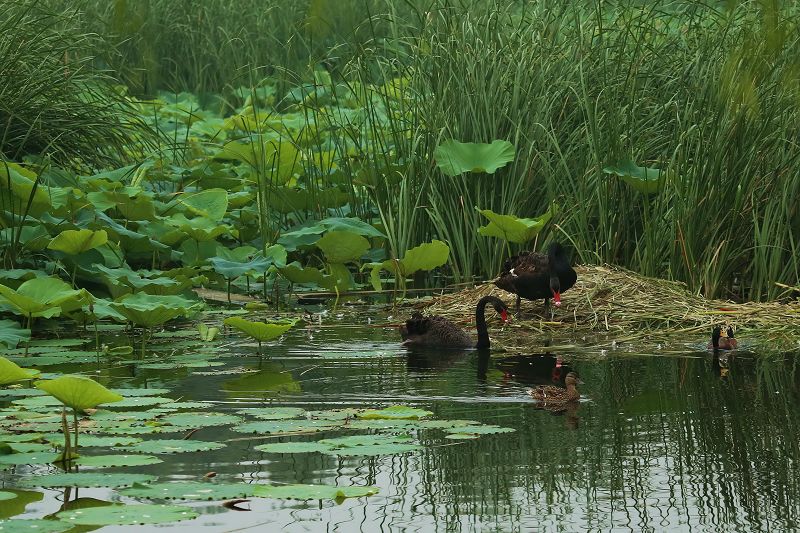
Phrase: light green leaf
(312,492)
(426,256)
(261,331)
(78,392)
(11,373)
(86,479)
(454,158)
(19,525)
(395,412)
(190,490)
(513,229)
(342,246)
(105,461)
(210,203)
(646,180)
(148,310)
(74,242)
(173,446)
(118,515)
(44,297)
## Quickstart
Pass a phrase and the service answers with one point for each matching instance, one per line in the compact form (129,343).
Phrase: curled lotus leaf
(74,242)
(261,331)
(78,392)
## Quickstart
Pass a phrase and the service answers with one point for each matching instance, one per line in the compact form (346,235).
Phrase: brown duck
(534,275)
(437,331)
(552,395)
(718,342)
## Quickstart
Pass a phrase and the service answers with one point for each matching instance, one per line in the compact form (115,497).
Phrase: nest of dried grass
(617,304)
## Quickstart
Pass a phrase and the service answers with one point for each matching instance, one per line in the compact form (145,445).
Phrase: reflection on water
(691,442)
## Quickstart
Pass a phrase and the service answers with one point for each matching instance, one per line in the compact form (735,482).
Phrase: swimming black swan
(437,331)
(534,275)
(722,343)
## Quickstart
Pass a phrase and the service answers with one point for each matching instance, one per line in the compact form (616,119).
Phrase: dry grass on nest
(621,304)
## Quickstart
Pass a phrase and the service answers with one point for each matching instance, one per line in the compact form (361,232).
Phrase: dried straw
(616,304)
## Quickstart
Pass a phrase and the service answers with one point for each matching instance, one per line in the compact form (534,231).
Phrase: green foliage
(513,229)
(11,373)
(78,392)
(118,515)
(454,158)
(74,242)
(646,180)
(260,331)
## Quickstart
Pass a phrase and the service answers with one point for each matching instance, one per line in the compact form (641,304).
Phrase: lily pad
(389,448)
(399,412)
(285,426)
(18,525)
(191,490)
(33,458)
(105,461)
(479,430)
(513,229)
(4,495)
(312,492)
(141,401)
(118,515)
(201,419)
(104,442)
(274,413)
(454,158)
(129,393)
(173,446)
(81,479)
(293,447)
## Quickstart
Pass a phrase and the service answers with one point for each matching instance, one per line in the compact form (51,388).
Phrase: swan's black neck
(480,322)
(715,339)
(557,258)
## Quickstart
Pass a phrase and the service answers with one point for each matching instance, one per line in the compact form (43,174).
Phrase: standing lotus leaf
(74,242)
(11,373)
(342,246)
(261,331)
(454,158)
(210,203)
(646,180)
(513,229)
(78,392)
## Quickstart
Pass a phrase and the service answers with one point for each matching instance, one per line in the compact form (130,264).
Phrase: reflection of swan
(721,364)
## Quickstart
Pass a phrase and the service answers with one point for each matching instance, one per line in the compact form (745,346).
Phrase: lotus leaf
(78,392)
(207,334)
(297,274)
(232,269)
(342,246)
(395,412)
(105,442)
(261,331)
(19,525)
(7,495)
(454,158)
(198,228)
(141,401)
(186,490)
(274,413)
(11,333)
(286,426)
(84,479)
(104,461)
(31,447)
(129,393)
(114,515)
(11,373)
(74,242)
(646,180)
(147,310)
(312,492)
(479,430)
(293,447)
(513,229)
(426,256)
(173,446)
(24,187)
(209,203)
(32,458)
(43,297)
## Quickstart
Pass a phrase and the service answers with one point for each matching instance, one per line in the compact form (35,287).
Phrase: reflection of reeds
(624,304)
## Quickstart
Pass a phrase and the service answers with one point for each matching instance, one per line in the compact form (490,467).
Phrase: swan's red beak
(504,315)
(557,298)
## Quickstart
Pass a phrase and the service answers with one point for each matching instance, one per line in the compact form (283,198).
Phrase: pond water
(679,442)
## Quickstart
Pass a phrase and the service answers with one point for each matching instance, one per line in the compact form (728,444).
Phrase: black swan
(437,331)
(534,275)
(718,342)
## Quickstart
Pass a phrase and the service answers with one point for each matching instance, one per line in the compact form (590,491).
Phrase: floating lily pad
(461,436)
(389,448)
(399,412)
(105,442)
(334,414)
(293,447)
(188,405)
(81,479)
(33,458)
(201,419)
(140,401)
(445,424)
(17,525)
(30,447)
(173,446)
(21,437)
(105,461)
(4,495)
(130,393)
(285,426)
(20,393)
(136,430)
(191,490)
(274,413)
(480,430)
(312,492)
(118,515)
(383,424)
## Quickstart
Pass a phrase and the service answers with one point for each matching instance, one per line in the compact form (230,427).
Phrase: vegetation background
(707,90)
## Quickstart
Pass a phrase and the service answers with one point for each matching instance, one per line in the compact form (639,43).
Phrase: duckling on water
(718,342)
(551,394)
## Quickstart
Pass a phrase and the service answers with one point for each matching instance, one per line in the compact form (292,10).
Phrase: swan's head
(555,288)
(501,308)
